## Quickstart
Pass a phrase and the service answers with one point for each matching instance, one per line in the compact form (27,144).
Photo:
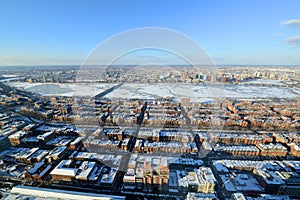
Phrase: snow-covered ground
(7,78)
(197,92)
(266,82)
(8,75)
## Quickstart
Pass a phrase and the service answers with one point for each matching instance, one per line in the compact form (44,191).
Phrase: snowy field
(197,92)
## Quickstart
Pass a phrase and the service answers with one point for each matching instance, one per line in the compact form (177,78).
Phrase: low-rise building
(272,149)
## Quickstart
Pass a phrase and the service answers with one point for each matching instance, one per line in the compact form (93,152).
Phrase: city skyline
(231,32)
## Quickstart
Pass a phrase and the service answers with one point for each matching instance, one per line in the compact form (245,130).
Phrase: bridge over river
(102,94)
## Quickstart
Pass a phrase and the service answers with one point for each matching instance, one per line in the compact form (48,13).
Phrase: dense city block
(155,148)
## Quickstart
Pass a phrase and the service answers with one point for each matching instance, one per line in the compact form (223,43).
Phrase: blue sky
(231,31)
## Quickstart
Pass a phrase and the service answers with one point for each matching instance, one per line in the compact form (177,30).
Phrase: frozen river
(197,92)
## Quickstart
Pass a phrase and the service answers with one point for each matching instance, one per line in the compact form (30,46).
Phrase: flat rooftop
(45,193)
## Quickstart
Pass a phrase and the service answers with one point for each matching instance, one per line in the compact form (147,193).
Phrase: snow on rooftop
(60,169)
(86,168)
(59,194)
